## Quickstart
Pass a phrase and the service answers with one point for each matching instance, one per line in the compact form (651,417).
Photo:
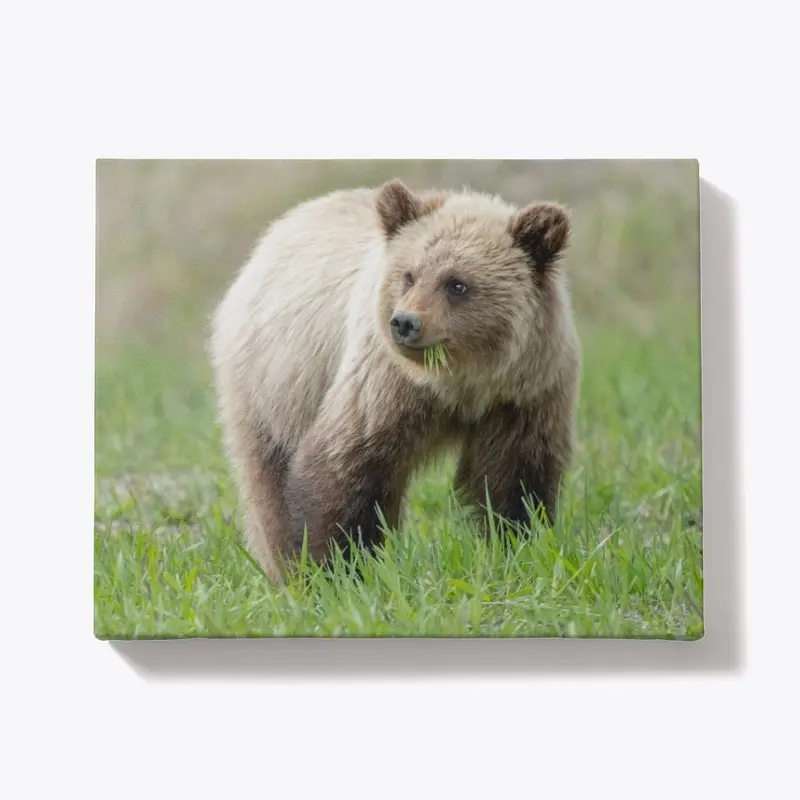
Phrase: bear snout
(406,328)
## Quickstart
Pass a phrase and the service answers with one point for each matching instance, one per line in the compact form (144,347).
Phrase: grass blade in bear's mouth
(435,357)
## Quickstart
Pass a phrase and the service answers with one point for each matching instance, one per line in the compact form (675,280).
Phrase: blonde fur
(309,381)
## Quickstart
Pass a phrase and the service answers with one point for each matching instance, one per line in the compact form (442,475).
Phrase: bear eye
(409,279)
(455,287)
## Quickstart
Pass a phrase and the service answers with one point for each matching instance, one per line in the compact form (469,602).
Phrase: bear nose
(406,328)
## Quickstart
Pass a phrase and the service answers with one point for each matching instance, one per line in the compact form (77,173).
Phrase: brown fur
(398,206)
(326,417)
(543,231)
(342,475)
(516,451)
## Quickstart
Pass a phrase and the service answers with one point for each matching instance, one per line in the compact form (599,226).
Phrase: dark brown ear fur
(397,205)
(542,230)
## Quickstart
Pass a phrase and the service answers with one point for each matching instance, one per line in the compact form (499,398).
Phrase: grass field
(624,560)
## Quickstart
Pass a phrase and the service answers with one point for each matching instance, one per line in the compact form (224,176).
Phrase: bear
(326,398)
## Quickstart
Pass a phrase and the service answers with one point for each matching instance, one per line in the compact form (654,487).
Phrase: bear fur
(326,416)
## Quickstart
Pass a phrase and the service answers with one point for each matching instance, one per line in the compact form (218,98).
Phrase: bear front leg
(260,463)
(517,454)
(347,467)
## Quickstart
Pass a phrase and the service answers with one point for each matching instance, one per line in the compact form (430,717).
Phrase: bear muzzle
(406,328)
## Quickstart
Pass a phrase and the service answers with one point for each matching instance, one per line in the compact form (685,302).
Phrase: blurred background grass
(171,234)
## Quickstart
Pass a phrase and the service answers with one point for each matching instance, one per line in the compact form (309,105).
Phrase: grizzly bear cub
(326,398)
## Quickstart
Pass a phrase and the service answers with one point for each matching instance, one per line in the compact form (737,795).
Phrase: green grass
(624,559)
(435,357)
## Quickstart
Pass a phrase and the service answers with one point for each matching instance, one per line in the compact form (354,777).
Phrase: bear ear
(543,231)
(397,206)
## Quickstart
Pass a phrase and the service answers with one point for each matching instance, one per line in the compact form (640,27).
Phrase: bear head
(466,272)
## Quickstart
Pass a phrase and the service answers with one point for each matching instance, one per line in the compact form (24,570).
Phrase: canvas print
(398,399)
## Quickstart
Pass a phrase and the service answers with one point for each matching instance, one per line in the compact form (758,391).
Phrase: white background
(712,81)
